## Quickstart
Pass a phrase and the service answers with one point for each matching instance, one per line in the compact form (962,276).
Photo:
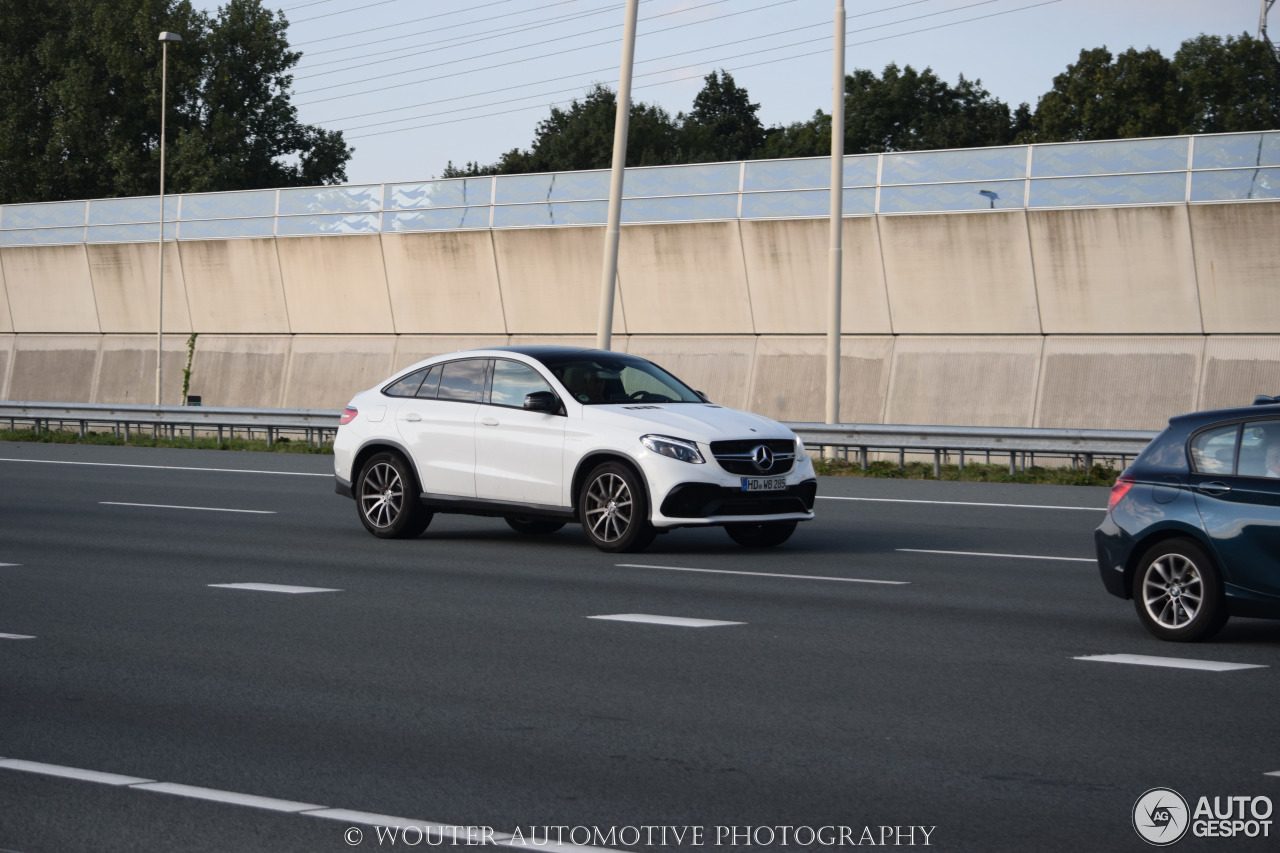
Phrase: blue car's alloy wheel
(1177,592)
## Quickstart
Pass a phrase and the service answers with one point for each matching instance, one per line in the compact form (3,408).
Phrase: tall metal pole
(609,276)
(165,38)
(837,214)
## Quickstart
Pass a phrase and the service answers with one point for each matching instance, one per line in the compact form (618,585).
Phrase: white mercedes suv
(543,436)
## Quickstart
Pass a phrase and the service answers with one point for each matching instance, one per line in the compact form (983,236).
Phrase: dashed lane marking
(961,503)
(759,574)
(16,637)
(985,554)
(676,621)
(202,508)
(272,587)
(433,832)
(1173,663)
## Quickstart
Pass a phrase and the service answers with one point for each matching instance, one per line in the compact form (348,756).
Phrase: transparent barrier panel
(859,201)
(122,211)
(1114,189)
(445,219)
(1104,158)
(680,208)
(860,170)
(143,233)
(779,205)
(459,192)
(50,215)
(988,195)
(548,215)
(1241,149)
(219,229)
(229,205)
(1235,185)
(557,186)
(331,200)
(788,175)
(681,180)
(295,226)
(976,164)
(42,236)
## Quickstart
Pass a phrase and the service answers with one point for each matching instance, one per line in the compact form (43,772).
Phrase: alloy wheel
(382,495)
(1173,591)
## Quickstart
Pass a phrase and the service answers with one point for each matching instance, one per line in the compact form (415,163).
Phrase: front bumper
(710,504)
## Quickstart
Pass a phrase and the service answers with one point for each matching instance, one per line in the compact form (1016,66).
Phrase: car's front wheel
(614,509)
(387,498)
(1177,592)
(533,526)
(766,534)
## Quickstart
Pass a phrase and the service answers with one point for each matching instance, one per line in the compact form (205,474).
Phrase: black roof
(542,351)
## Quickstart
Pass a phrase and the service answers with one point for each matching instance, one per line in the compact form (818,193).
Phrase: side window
(512,381)
(1214,450)
(430,384)
(406,387)
(1260,449)
(463,381)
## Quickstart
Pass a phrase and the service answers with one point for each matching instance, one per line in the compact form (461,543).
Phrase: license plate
(764,484)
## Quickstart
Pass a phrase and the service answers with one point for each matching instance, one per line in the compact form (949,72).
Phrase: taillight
(348,415)
(1121,488)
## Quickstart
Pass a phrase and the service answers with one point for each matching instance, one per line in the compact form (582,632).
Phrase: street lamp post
(165,38)
(837,222)
(609,278)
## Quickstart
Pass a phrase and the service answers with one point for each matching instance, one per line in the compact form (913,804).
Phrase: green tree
(1104,97)
(722,125)
(909,110)
(80,101)
(1227,85)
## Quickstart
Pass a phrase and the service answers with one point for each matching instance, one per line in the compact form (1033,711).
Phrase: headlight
(675,448)
(799,446)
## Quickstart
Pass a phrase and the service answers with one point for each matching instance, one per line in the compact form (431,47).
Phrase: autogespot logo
(1160,816)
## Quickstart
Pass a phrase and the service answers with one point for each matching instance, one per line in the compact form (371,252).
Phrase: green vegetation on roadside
(145,439)
(1098,475)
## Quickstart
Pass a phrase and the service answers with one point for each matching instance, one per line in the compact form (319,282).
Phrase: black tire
(1178,593)
(614,509)
(533,526)
(387,498)
(766,534)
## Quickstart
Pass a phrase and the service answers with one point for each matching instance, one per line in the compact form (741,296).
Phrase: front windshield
(596,378)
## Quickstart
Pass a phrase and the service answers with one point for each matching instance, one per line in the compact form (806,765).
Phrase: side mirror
(703,395)
(541,401)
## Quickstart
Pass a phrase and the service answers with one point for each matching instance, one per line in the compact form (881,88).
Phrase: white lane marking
(70,772)
(166,467)
(433,830)
(3,565)
(1273,773)
(231,797)
(272,587)
(677,621)
(203,508)
(16,637)
(758,574)
(961,503)
(1175,663)
(1013,556)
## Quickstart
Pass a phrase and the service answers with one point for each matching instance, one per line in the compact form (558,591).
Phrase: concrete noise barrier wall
(1112,317)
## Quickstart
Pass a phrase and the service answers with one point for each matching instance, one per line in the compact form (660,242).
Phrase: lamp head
(170,37)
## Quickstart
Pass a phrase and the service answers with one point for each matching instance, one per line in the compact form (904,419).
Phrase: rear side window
(430,384)
(1260,449)
(1214,450)
(406,387)
(463,381)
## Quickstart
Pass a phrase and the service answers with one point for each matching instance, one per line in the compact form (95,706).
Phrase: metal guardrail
(318,426)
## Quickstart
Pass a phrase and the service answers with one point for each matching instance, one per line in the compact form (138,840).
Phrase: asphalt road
(897,675)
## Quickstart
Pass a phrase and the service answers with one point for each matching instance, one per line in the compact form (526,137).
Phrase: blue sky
(417,83)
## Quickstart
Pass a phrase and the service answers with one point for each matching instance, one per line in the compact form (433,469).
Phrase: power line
(581,47)
(507,88)
(428,18)
(344,11)
(738,68)
(304,5)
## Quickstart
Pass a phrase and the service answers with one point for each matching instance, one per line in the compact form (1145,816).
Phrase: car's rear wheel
(614,509)
(387,498)
(766,534)
(533,526)
(1177,592)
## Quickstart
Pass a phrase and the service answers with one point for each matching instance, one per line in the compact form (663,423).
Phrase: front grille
(703,500)
(738,456)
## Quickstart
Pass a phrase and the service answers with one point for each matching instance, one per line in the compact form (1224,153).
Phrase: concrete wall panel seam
(1035,391)
(275,248)
(746,268)
(96,313)
(1203,367)
(97,369)
(884,282)
(5,287)
(497,274)
(1031,257)
(888,390)
(1195,271)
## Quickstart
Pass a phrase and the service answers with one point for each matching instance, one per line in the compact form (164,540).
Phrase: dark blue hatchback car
(1192,532)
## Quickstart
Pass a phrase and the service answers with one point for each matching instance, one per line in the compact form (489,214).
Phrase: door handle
(1214,488)
(489,421)
(413,416)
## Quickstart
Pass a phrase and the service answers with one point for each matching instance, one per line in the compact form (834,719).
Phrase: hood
(695,421)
